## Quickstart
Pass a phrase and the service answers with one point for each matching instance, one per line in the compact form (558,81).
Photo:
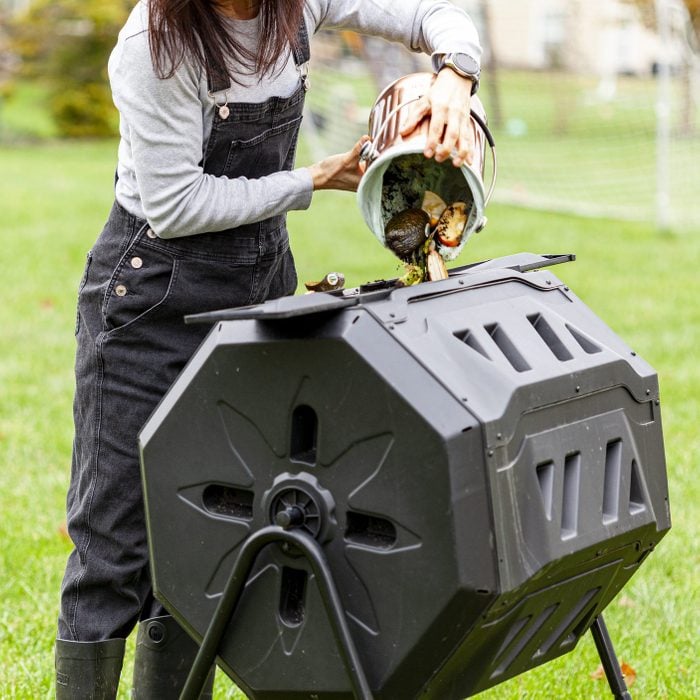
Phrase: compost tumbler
(403,493)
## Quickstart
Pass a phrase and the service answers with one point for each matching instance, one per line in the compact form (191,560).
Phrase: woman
(210,95)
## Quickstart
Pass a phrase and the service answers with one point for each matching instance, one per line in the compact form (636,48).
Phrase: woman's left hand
(448,103)
(340,172)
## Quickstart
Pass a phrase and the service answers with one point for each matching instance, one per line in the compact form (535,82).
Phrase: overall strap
(302,55)
(302,51)
(216,82)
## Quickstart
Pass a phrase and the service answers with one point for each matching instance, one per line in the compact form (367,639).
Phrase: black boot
(88,670)
(164,657)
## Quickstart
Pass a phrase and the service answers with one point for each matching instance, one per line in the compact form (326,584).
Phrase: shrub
(66,44)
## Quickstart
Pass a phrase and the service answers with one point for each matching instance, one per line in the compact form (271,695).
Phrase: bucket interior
(408,177)
(398,181)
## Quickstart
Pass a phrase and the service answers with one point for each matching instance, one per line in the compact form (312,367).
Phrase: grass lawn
(644,285)
(24,113)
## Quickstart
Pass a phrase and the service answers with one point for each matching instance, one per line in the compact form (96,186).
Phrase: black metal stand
(608,658)
(329,594)
(232,593)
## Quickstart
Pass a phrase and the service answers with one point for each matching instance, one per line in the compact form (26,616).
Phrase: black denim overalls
(132,343)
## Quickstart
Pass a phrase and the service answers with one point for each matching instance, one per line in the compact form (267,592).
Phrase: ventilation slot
(569,507)
(304,435)
(228,501)
(584,341)
(584,623)
(563,630)
(468,338)
(524,640)
(370,531)
(550,338)
(611,484)
(292,596)
(545,479)
(637,504)
(513,632)
(505,345)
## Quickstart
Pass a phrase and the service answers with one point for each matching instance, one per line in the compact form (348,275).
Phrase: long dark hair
(194,28)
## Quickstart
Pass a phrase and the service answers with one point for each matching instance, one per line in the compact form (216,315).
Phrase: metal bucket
(398,174)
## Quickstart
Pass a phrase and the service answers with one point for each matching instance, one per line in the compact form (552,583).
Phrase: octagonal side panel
(366,435)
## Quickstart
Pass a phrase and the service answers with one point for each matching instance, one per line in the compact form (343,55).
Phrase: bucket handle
(492,145)
(369,152)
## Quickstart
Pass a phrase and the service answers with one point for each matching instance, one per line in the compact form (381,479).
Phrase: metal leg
(232,593)
(608,658)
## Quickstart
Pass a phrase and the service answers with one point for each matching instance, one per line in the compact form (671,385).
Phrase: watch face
(465,63)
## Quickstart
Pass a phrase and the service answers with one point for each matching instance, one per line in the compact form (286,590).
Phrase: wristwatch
(462,64)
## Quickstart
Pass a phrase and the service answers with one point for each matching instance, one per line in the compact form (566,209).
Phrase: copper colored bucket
(398,174)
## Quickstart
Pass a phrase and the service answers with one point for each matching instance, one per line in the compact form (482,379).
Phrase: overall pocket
(264,154)
(141,283)
(81,286)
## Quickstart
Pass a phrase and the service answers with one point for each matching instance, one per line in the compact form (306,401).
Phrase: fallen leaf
(626,602)
(47,304)
(628,673)
(599,673)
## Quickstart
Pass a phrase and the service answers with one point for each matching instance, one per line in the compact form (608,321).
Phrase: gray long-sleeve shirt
(165,124)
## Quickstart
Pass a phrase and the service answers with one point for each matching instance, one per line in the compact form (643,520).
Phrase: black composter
(399,493)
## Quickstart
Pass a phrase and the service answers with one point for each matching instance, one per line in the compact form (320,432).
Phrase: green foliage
(83,111)
(66,43)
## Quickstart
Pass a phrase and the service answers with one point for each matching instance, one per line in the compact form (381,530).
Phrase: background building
(598,36)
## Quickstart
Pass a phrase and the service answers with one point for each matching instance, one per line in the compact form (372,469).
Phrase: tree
(66,43)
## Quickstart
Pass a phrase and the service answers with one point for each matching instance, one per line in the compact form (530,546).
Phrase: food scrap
(435,265)
(434,206)
(329,283)
(417,237)
(450,228)
(406,232)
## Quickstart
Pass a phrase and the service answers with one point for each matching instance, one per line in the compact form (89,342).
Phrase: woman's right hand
(340,172)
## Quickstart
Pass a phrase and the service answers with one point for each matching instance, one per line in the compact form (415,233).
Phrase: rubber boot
(88,670)
(164,657)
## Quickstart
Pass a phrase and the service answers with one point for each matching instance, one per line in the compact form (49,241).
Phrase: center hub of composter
(296,509)
(299,502)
